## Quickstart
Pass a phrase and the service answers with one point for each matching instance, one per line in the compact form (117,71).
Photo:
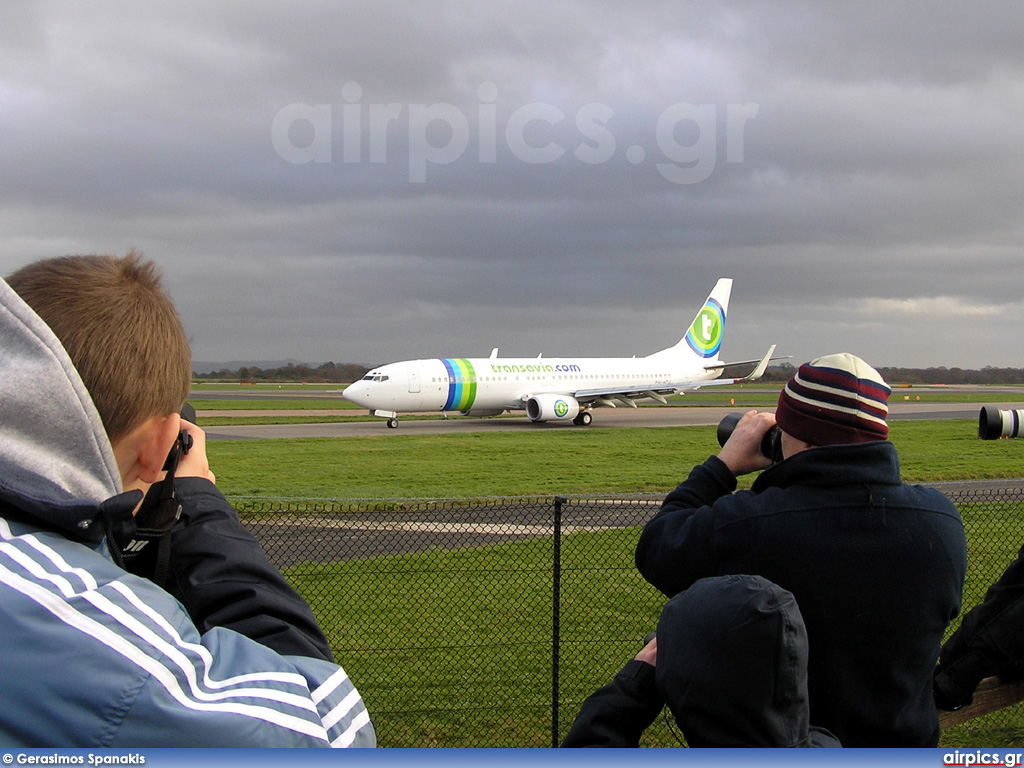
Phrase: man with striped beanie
(835,399)
(877,566)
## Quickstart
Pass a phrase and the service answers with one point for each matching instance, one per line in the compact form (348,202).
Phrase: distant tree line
(324,373)
(987,375)
(349,372)
(940,375)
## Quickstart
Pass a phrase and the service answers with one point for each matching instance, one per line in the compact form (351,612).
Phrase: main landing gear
(583,419)
(392,423)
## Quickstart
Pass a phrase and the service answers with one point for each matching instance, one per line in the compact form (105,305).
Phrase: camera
(771,443)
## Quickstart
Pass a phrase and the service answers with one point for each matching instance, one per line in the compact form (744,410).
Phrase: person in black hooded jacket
(729,660)
(877,565)
(989,642)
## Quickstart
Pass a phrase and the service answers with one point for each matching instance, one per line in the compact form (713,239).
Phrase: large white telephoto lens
(994,423)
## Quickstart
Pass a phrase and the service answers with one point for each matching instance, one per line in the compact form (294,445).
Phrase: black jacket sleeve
(219,572)
(675,547)
(618,714)
(989,641)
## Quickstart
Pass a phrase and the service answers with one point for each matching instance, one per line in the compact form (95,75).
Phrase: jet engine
(552,408)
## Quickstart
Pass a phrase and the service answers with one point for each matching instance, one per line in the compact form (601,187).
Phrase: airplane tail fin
(703,339)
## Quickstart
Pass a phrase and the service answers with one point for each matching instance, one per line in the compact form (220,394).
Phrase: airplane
(555,389)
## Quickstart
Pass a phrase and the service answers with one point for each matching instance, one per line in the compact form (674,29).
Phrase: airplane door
(414,378)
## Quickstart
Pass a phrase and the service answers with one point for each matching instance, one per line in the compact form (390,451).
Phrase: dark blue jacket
(731,666)
(876,566)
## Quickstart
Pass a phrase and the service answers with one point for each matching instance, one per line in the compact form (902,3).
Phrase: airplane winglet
(762,366)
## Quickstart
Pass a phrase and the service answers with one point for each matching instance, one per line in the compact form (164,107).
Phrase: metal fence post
(556,598)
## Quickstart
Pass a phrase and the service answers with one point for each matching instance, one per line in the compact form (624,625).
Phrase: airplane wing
(613,397)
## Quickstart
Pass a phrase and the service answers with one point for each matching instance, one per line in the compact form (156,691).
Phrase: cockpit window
(375,377)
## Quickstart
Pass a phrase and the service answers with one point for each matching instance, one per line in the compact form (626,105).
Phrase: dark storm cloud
(855,166)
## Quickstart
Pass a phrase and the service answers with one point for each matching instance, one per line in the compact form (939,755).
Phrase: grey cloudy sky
(373,181)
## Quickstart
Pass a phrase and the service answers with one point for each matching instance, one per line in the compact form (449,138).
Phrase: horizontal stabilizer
(719,366)
(755,374)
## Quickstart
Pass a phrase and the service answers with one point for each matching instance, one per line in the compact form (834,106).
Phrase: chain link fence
(485,623)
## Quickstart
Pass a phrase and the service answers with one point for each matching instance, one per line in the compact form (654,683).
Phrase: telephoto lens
(994,423)
(771,443)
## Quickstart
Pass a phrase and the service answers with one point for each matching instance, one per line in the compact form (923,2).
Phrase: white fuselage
(553,389)
(492,385)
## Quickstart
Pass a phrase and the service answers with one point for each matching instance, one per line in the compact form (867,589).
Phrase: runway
(293,538)
(604,418)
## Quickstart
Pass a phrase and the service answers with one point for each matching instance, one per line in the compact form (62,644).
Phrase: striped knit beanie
(835,399)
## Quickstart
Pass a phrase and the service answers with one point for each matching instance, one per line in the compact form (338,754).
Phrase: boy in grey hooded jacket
(94,656)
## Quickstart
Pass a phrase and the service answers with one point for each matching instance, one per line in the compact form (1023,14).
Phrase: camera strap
(148,553)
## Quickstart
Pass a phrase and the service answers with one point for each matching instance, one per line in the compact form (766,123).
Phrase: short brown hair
(120,330)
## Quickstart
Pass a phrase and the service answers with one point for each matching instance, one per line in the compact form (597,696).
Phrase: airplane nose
(353,391)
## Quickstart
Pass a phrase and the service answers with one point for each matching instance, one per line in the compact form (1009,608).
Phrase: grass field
(477,464)
(411,619)
(453,647)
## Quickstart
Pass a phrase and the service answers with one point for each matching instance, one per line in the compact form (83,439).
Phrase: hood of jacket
(56,463)
(873,463)
(732,665)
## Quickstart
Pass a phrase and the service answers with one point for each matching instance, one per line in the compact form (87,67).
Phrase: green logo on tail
(705,335)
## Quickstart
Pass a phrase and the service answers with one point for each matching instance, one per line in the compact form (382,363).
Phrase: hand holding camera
(148,552)
(194,463)
(750,441)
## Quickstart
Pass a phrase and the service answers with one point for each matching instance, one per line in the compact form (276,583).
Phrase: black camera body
(771,443)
